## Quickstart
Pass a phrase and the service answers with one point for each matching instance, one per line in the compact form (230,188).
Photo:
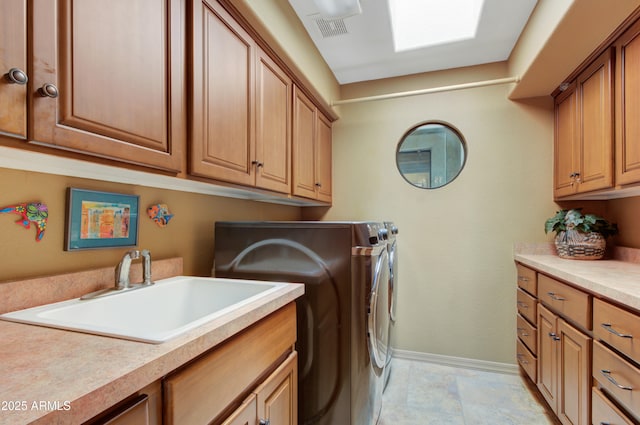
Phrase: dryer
(343,318)
(392,249)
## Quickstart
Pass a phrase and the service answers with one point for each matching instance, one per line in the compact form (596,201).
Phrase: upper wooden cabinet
(13,68)
(584,131)
(241,105)
(628,106)
(311,150)
(108,79)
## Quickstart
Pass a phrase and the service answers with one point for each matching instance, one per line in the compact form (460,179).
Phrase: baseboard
(457,362)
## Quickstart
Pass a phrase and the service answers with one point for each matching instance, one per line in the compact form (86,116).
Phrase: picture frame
(98,219)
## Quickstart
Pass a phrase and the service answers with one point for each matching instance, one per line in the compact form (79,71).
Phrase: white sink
(152,314)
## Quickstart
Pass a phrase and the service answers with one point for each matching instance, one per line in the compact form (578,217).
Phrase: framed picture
(101,220)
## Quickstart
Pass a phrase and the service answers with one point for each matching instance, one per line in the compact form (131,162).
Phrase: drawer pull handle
(523,279)
(609,328)
(607,374)
(555,297)
(523,332)
(523,305)
(554,336)
(522,359)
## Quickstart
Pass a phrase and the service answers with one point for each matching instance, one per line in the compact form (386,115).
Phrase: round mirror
(431,155)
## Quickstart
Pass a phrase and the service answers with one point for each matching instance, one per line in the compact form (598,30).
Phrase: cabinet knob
(16,76)
(318,184)
(554,336)
(48,90)
(258,164)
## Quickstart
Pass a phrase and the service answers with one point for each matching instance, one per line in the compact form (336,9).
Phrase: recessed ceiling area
(361,47)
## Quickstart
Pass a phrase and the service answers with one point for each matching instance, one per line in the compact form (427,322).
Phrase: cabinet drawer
(526,360)
(617,327)
(526,305)
(569,302)
(528,334)
(527,279)
(605,412)
(618,377)
(200,392)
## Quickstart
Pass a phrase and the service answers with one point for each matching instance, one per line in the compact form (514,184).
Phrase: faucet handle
(146,267)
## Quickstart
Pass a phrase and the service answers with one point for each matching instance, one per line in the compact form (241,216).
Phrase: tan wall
(625,213)
(456,272)
(190,234)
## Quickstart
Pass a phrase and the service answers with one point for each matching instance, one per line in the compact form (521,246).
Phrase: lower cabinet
(564,372)
(274,401)
(142,408)
(209,389)
(250,379)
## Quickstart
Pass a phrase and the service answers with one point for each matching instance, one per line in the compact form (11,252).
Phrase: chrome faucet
(123,268)
(122,279)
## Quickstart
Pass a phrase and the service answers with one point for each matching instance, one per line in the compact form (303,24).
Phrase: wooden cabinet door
(222,104)
(574,376)
(13,59)
(595,104)
(273,125)
(323,159)
(304,145)
(246,414)
(628,106)
(118,73)
(565,144)
(278,395)
(548,355)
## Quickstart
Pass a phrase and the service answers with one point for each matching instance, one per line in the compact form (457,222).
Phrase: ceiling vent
(331,28)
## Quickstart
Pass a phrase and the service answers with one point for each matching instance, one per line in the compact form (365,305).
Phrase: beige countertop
(617,279)
(51,376)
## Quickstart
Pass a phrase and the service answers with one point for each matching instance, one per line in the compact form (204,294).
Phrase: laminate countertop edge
(79,375)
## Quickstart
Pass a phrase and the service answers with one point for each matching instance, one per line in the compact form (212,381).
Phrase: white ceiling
(363,48)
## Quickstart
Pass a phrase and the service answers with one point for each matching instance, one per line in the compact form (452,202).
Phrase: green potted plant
(580,236)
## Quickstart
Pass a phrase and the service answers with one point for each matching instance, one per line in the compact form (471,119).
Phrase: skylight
(421,23)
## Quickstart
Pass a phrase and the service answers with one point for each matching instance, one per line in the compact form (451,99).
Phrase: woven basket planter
(576,245)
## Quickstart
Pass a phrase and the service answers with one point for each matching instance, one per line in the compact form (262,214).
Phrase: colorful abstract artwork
(101,220)
(160,214)
(30,212)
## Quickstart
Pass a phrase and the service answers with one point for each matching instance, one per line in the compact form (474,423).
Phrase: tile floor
(421,393)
